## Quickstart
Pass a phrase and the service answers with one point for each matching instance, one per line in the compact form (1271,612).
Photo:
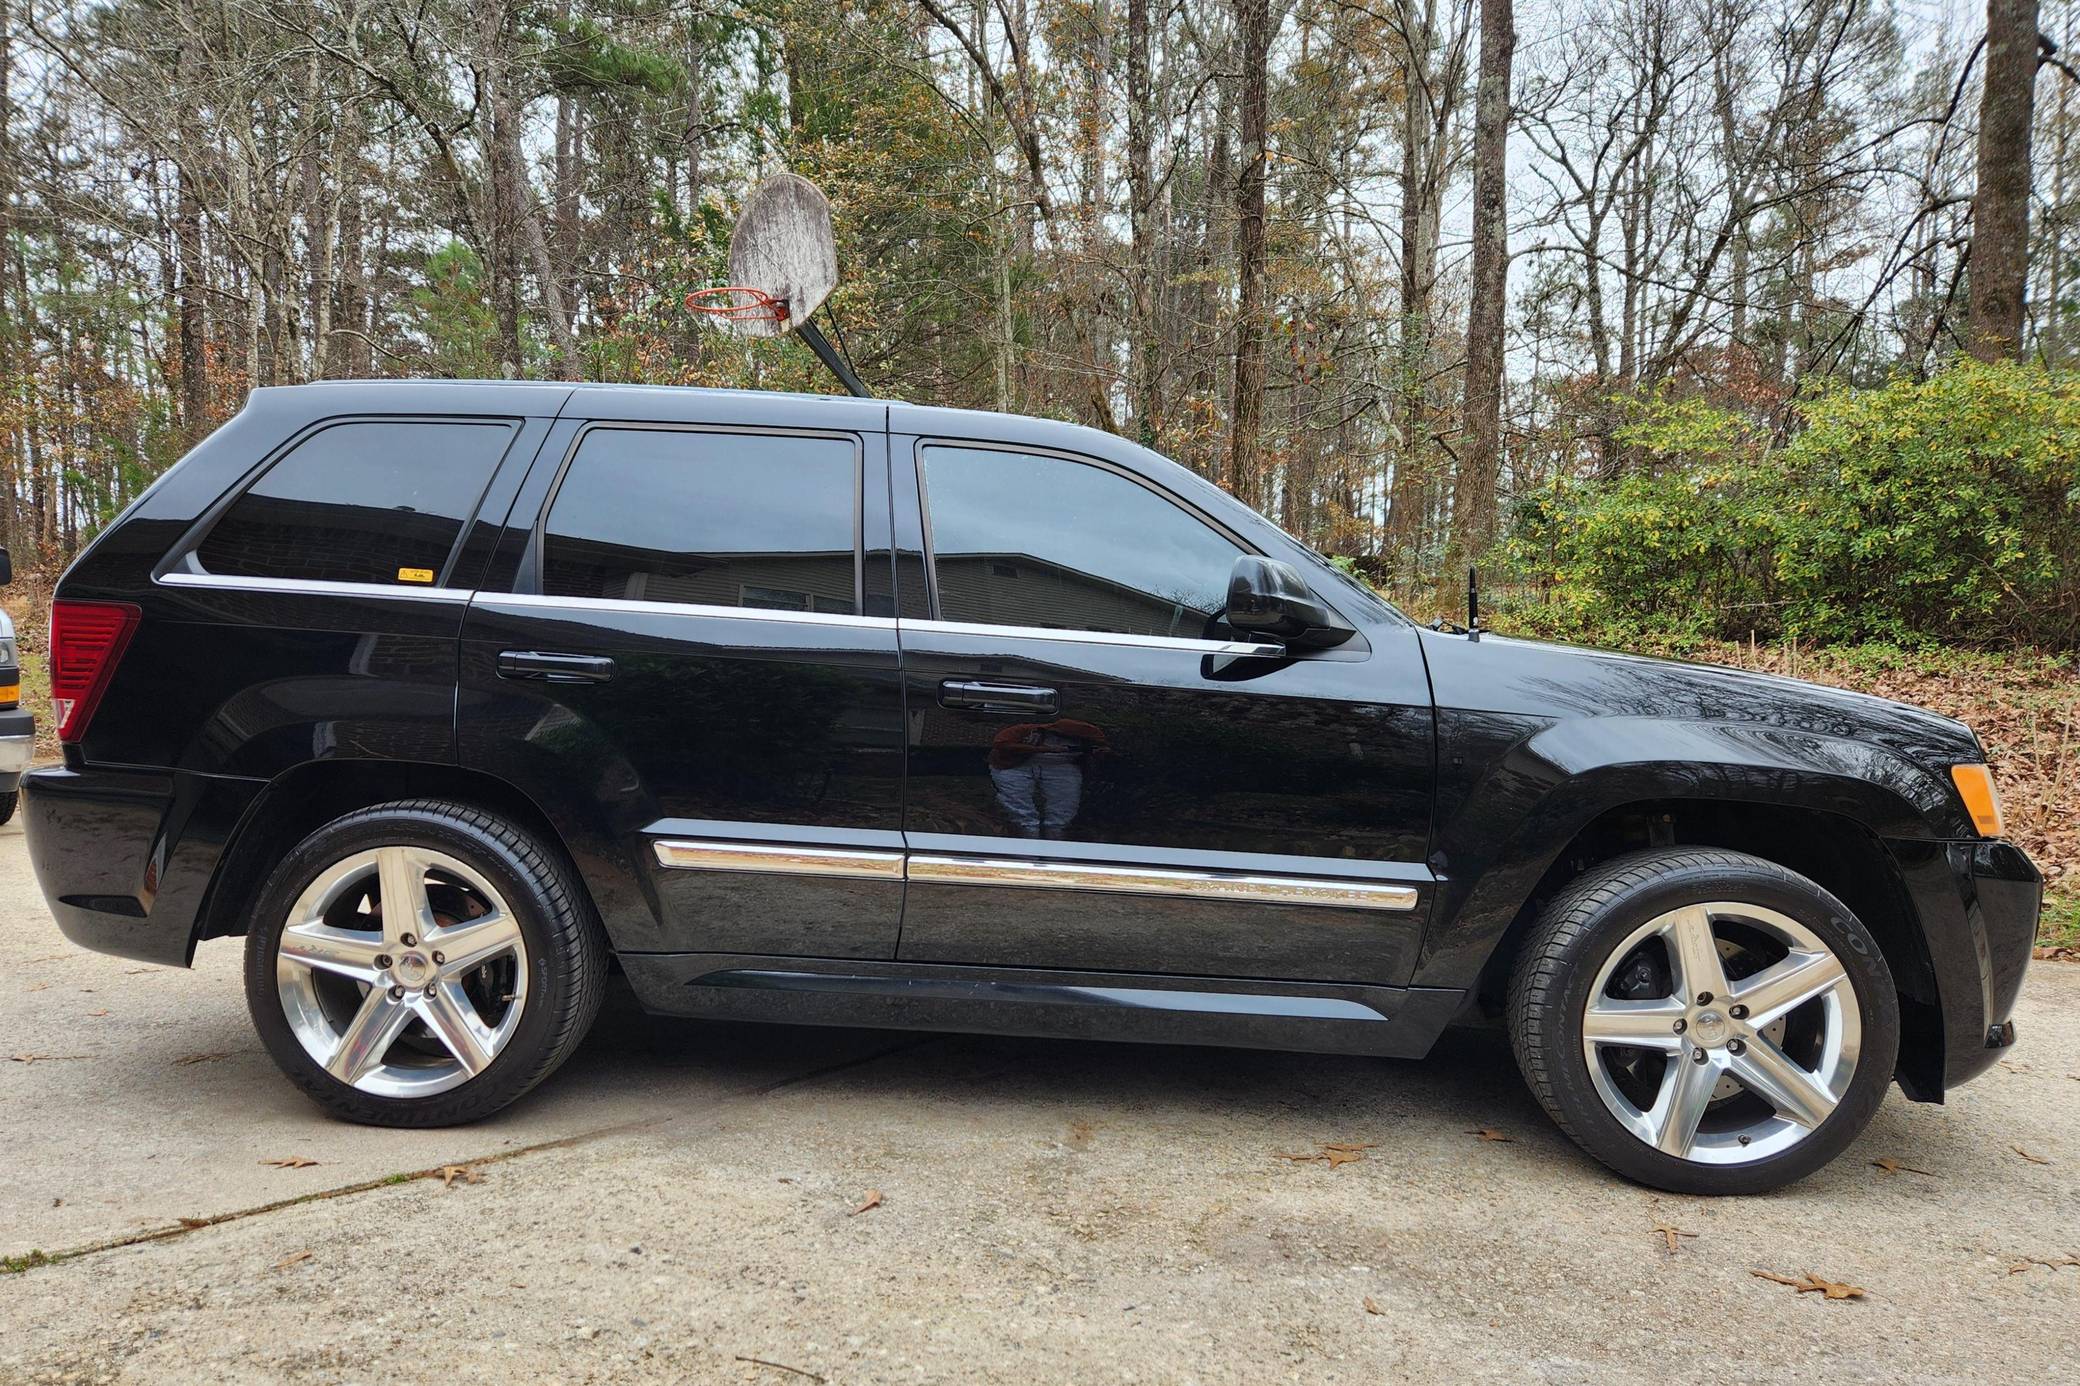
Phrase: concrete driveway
(680,1206)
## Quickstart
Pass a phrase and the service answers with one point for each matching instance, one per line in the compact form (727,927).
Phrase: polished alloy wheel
(402,972)
(1722,1033)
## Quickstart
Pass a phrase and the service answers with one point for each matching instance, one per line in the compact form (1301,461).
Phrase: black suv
(451,696)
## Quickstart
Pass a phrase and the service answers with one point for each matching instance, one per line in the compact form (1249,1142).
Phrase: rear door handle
(998,697)
(554,668)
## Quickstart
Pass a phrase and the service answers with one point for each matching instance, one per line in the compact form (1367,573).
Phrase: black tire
(7,806)
(566,953)
(1559,963)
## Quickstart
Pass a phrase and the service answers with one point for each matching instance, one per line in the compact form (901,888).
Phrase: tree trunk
(1480,462)
(1245,448)
(1143,335)
(2000,211)
(1411,476)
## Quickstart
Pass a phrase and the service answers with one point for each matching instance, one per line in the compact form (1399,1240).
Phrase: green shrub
(1946,509)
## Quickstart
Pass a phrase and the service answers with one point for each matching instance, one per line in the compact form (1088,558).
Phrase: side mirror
(1266,597)
(6,568)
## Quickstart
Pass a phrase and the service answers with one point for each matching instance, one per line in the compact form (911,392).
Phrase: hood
(1534,677)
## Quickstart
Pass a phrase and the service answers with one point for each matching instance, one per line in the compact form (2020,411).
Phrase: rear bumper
(17,745)
(1978,903)
(125,857)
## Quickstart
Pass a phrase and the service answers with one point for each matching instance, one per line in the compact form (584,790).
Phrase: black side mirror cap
(1267,597)
(6,568)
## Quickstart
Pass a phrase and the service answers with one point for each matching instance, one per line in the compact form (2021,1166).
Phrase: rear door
(1104,776)
(679,668)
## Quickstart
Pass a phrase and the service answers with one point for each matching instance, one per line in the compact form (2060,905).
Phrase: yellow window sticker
(415,575)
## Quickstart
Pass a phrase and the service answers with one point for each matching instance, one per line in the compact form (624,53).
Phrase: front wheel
(421,964)
(1704,1021)
(7,805)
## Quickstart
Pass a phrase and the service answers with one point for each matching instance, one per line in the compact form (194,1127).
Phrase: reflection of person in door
(1038,771)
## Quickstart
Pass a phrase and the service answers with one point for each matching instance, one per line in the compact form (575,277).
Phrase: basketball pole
(812,334)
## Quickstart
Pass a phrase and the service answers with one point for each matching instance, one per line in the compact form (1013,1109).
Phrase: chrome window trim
(1097,637)
(1340,893)
(540,601)
(310,587)
(779,859)
(543,601)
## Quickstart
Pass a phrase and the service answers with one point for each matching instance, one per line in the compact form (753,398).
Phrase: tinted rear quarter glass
(708,519)
(377,501)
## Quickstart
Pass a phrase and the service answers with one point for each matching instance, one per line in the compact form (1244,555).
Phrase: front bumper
(125,857)
(1978,904)
(17,746)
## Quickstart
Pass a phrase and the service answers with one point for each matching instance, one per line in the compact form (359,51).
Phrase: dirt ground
(679,1204)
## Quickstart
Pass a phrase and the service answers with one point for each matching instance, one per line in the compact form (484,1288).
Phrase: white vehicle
(17,728)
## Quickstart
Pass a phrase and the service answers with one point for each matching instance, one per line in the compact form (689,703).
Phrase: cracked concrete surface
(1050,1212)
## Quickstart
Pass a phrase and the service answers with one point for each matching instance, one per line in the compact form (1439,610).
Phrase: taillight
(87,642)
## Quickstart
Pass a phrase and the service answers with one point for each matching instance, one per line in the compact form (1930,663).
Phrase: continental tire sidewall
(1729,877)
(528,1055)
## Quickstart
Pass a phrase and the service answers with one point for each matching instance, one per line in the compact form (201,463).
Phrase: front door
(682,675)
(1104,777)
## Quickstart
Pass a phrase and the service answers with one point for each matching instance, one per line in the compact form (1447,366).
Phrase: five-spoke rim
(402,972)
(1722,1033)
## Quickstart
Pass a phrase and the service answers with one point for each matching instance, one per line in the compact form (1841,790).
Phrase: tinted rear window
(708,519)
(371,501)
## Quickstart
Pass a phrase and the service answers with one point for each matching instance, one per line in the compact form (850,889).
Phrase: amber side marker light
(1975,786)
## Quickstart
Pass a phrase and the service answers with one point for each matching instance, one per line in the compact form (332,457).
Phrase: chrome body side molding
(1201,885)
(779,859)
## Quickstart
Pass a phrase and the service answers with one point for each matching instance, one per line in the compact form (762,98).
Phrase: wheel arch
(302,799)
(1837,852)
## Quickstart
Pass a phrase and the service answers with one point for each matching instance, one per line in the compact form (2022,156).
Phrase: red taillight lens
(87,641)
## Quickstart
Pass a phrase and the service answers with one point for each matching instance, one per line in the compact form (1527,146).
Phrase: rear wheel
(1704,1021)
(421,964)
(7,805)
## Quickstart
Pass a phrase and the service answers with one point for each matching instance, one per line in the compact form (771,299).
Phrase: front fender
(1504,817)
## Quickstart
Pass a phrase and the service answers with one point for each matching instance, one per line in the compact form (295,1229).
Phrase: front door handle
(554,668)
(980,696)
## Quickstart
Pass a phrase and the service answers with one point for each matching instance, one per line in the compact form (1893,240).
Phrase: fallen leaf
(96,1015)
(135,971)
(1488,1134)
(1372,1306)
(1810,1283)
(291,1259)
(203,1058)
(42,1058)
(1331,1153)
(1669,1235)
(2033,1159)
(291,1162)
(872,1200)
(1888,1165)
(450,1173)
(40,986)
(192,1223)
(2048,1263)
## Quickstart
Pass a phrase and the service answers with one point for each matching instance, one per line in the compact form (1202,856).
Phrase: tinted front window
(715,519)
(1022,540)
(360,502)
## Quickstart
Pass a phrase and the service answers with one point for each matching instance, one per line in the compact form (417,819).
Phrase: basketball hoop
(784,261)
(738,303)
